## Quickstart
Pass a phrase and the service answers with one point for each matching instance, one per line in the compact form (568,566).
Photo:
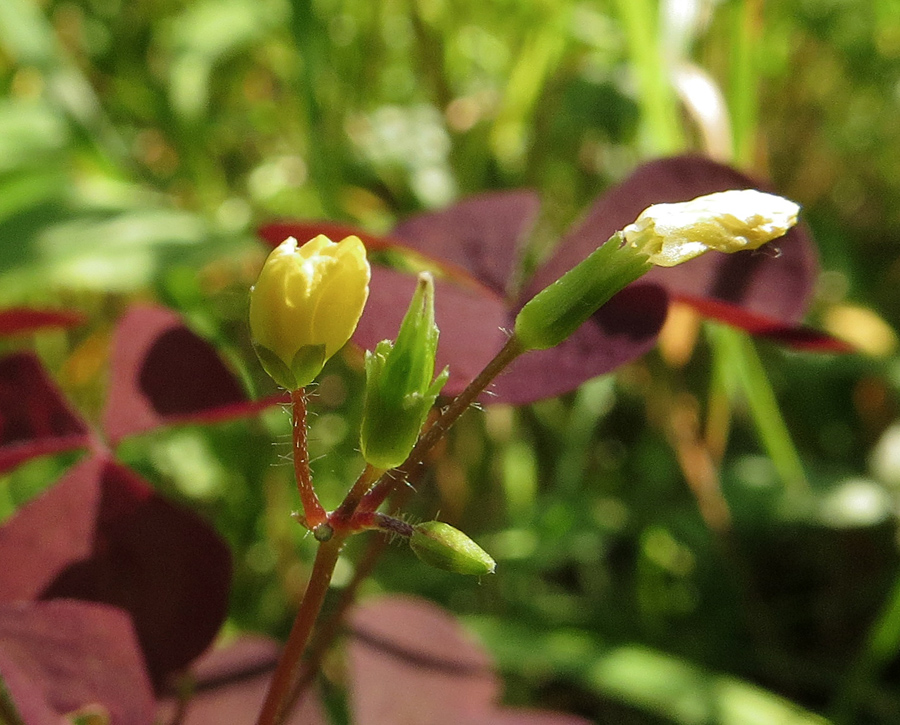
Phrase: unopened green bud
(557,311)
(444,547)
(399,386)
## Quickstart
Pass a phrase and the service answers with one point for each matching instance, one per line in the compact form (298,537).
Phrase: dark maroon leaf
(473,324)
(73,654)
(778,286)
(35,420)
(482,234)
(19,320)
(410,641)
(29,703)
(446,677)
(103,534)
(162,373)
(230,685)
(470,316)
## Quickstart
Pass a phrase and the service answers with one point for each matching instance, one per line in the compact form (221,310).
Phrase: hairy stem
(313,512)
(289,679)
(329,628)
(342,514)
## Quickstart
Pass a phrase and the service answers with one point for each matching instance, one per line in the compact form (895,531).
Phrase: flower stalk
(276,706)
(313,513)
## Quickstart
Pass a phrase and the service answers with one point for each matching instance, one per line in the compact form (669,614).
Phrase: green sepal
(445,547)
(275,367)
(307,364)
(557,311)
(399,386)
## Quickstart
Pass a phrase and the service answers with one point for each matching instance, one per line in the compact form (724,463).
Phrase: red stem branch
(276,707)
(288,681)
(313,512)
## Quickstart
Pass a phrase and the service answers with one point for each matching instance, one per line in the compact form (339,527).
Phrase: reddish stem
(381,522)
(328,630)
(276,707)
(343,513)
(313,512)
(287,683)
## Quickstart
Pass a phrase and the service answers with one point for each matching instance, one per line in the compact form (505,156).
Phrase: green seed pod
(444,547)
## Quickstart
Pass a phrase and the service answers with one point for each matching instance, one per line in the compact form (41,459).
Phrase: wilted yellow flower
(665,235)
(305,305)
(727,221)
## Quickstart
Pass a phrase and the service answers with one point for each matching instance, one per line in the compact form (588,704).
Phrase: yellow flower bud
(727,221)
(305,305)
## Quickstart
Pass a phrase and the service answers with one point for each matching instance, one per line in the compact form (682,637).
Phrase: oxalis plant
(305,306)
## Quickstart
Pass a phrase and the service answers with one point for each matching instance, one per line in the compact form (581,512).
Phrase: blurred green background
(142,141)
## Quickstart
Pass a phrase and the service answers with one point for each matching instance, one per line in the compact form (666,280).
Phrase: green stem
(880,646)
(743,82)
(656,95)
(323,153)
(740,361)
(276,706)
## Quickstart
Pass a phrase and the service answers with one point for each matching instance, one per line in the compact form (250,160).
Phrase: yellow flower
(727,221)
(305,306)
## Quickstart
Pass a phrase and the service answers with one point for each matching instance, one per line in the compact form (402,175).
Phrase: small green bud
(444,547)
(399,386)
(557,311)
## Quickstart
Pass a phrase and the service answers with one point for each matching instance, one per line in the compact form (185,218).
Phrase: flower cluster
(309,299)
